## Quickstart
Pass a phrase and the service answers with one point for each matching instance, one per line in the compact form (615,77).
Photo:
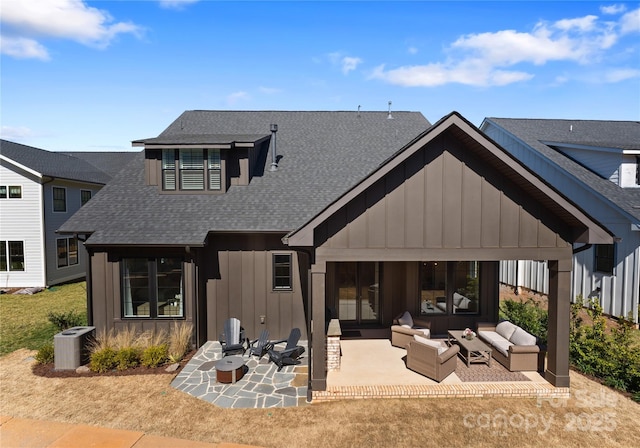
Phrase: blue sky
(95,75)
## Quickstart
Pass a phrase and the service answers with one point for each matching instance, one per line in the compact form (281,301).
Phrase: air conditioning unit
(71,347)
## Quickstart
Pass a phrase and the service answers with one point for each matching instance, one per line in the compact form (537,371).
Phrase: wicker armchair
(425,360)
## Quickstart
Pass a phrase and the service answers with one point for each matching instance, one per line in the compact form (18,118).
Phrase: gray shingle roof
(599,133)
(108,161)
(53,164)
(202,139)
(323,155)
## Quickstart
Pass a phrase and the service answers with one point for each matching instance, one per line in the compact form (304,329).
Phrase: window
(192,169)
(433,287)
(85,195)
(59,199)
(637,170)
(282,278)
(13,251)
(449,287)
(168,169)
(604,258)
(152,287)
(215,171)
(67,251)
(12,192)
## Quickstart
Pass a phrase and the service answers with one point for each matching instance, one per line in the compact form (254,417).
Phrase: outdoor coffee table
(473,351)
(229,369)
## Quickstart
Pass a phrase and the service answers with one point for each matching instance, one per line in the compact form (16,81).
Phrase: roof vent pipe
(274,154)
(389,116)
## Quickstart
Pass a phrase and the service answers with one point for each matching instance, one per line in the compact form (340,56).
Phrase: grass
(23,318)
(593,416)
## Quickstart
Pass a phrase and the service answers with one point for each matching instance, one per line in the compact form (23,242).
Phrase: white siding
(619,293)
(21,220)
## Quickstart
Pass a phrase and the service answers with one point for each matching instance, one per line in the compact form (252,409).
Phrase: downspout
(89,282)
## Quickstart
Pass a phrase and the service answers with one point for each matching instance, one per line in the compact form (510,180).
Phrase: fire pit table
(229,369)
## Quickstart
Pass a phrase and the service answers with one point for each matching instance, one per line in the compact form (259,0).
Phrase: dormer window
(186,168)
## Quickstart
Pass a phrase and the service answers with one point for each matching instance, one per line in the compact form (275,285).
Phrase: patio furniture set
(505,342)
(232,368)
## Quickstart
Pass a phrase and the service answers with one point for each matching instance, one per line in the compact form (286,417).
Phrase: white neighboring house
(39,191)
(596,164)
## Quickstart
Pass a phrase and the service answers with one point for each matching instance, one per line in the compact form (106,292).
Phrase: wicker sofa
(405,327)
(511,346)
(426,358)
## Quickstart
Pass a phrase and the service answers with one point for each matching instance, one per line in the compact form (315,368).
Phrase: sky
(78,75)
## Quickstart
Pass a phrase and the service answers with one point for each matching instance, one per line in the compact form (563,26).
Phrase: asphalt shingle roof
(53,164)
(108,161)
(542,134)
(323,154)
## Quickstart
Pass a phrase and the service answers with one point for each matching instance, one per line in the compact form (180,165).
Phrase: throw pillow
(457,298)
(406,319)
(438,345)
(506,329)
(521,337)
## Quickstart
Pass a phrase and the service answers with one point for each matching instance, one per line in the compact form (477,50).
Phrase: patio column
(318,349)
(557,372)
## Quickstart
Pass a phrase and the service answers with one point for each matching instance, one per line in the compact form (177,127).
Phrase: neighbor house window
(13,251)
(604,258)
(152,287)
(282,272)
(59,199)
(192,169)
(67,251)
(12,192)
(85,195)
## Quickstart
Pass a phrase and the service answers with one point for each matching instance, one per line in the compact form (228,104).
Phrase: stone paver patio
(262,386)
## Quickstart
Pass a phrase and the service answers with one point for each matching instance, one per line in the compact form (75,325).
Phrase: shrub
(63,320)
(154,355)
(527,315)
(103,360)
(179,341)
(612,356)
(46,354)
(127,357)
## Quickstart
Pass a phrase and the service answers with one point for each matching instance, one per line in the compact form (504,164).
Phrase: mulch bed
(48,370)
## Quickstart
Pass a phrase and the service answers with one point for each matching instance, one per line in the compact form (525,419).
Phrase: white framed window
(59,199)
(67,250)
(12,256)
(10,192)
(192,169)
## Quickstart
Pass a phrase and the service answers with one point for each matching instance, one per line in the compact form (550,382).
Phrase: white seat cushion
(502,346)
(425,331)
(490,336)
(438,345)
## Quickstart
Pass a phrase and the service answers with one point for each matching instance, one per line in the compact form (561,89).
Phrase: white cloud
(176,4)
(613,9)
(350,64)
(236,97)
(346,63)
(630,22)
(412,50)
(16,133)
(619,75)
(488,59)
(23,48)
(269,90)
(62,19)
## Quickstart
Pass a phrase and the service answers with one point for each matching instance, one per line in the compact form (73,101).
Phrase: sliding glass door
(358,292)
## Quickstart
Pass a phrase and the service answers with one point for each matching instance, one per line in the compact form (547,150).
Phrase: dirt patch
(48,370)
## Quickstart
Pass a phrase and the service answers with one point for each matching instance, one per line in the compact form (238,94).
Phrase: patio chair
(233,339)
(259,347)
(290,354)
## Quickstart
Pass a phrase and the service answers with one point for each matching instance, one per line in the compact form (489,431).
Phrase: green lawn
(23,318)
